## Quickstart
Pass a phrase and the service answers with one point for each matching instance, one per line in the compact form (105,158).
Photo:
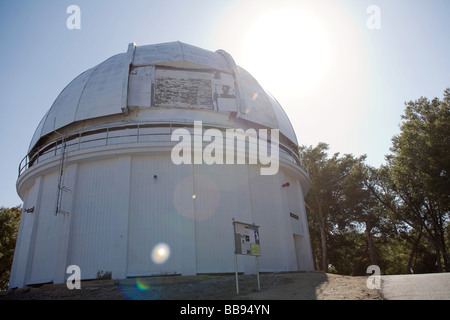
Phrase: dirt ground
(273,286)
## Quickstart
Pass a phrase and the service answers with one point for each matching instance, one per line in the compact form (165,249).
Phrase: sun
(287,49)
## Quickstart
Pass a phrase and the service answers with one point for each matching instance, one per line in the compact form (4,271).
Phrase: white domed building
(132,172)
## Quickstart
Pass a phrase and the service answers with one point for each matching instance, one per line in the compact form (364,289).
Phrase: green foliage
(418,170)
(9,224)
(103,275)
(348,253)
(393,255)
(333,199)
(395,216)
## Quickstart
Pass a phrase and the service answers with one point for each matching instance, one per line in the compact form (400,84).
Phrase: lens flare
(160,253)
(141,286)
(140,289)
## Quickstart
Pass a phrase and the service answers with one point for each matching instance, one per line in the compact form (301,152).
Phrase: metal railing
(137,133)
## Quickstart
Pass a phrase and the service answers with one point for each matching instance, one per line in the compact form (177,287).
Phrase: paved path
(429,286)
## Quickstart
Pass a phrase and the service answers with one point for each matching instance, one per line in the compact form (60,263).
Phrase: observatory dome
(135,79)
(113,182)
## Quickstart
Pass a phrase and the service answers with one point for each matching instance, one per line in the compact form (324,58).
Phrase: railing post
(138,133)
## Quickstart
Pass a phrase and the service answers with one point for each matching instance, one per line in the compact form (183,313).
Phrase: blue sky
(339,81)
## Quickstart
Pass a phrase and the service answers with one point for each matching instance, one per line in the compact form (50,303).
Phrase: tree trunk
(443,246)
(409,267)
(314,260)
(323,237)
(436,236)
(372,251)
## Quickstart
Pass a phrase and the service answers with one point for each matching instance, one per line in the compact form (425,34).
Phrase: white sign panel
(246,239)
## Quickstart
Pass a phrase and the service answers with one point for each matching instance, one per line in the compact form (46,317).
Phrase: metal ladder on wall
(61,187)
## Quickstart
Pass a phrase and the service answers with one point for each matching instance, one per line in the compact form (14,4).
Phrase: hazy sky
(342,70)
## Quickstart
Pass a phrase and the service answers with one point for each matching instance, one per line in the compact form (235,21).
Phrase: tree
(395,216)
(421,157)
(314,160)
(332,198)
(397,234)
(413,185)
(9,224)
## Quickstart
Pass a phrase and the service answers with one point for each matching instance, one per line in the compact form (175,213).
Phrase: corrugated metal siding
(24,235)
(268,214)
(92,223)
(46,241)
(303,242)
(154,218)
(188,207)
(295,205)
(221,195)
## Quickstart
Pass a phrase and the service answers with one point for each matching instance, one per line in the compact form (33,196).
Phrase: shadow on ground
(273,286)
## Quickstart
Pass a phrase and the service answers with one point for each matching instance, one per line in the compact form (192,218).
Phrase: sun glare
(160,253)
(287,50)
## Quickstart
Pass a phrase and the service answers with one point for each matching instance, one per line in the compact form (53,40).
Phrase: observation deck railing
(135,133)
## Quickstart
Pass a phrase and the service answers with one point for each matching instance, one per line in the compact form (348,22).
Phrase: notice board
(246,239)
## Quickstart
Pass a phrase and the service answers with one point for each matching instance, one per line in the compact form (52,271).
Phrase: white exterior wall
(25,235)
(269,213)
(154,218)
(93,221)
(296,203)
(118,212)
(221,195)
(44,243)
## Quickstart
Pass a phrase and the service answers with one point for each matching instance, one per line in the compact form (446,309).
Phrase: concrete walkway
(429,286)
